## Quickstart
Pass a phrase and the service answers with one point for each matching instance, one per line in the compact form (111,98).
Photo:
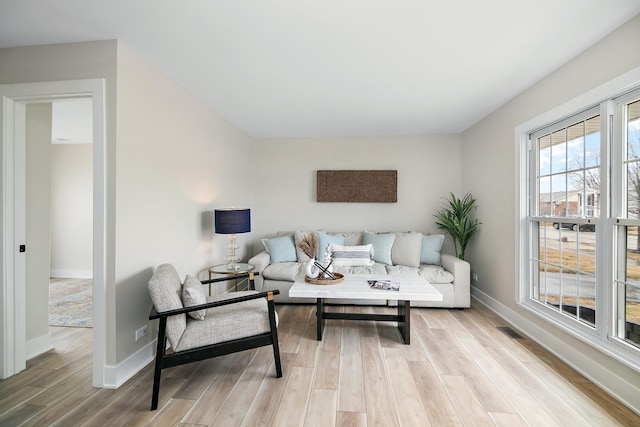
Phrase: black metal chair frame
(164,360)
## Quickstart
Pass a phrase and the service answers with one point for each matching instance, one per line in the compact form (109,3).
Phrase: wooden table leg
(319,318)
(404,324)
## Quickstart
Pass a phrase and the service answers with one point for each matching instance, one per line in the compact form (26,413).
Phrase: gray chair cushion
(226,323)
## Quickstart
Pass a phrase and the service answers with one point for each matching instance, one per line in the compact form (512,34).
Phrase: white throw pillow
(354,256)
(193,294)
(406,249)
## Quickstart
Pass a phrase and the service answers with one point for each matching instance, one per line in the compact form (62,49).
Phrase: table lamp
(232,222)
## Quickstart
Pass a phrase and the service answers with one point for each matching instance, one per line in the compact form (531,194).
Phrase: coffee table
(356,287)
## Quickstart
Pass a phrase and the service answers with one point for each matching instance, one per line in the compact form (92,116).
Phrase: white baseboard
(607,378)
(70,274)
(115,376)
(37,346)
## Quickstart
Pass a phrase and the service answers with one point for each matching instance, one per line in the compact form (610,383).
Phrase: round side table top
(240,268)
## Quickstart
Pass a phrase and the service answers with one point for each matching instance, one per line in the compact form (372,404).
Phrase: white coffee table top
(355,286)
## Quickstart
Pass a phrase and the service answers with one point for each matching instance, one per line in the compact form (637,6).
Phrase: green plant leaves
(455,218)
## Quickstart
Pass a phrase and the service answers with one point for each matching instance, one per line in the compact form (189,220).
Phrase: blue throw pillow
(323,243)
(431,246)
(382,244)
(281,249)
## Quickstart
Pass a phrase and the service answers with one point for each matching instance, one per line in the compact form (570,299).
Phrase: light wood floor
(460,369)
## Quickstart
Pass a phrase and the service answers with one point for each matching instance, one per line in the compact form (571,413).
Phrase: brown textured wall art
(371,186)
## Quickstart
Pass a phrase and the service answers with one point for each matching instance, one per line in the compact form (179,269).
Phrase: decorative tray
(326,281)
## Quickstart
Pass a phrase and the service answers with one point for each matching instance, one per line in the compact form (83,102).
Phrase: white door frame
(13,98)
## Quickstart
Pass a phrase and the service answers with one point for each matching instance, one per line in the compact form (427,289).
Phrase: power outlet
(141,332)
(475,277)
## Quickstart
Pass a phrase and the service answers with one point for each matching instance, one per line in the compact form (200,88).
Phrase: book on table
(387,285)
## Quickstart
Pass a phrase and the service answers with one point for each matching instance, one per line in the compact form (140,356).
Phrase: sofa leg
(158,367)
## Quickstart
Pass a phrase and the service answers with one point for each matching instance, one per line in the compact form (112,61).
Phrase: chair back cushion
(165,289)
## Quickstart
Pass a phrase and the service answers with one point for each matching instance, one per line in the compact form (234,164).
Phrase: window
(580,261)
(627,274)
(566,188)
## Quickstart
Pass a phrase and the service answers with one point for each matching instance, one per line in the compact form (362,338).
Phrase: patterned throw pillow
(353,256)
(193,294)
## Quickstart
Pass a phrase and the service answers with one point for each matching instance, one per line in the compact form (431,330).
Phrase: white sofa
(412,253)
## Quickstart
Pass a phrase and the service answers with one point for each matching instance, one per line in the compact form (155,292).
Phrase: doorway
(71,214)
(14,99)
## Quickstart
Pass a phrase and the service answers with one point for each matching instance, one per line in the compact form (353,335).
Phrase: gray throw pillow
(193,294)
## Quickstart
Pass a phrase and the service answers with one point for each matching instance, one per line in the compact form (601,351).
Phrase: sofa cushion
(382,244)
(351,255)
(323,243)
(406,249)
(436,274)
(283,271)
(352,238)
(165,290)
(281,249)
(377,269)
(402,270)
(193,294)
(431,246)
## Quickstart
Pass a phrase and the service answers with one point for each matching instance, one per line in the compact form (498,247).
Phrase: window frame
(608,99)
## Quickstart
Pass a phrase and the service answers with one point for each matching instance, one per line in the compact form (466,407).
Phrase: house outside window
(582,262)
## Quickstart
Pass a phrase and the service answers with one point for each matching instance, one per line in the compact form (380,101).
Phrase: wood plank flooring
(459,370)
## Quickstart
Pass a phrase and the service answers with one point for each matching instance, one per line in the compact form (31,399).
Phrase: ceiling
(303,68)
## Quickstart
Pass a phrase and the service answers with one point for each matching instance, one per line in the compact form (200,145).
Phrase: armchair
(232,322)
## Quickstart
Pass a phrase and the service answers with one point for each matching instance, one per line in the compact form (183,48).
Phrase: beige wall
(38,172)
(489,172)
(428,169)
(71,210)
(177,159)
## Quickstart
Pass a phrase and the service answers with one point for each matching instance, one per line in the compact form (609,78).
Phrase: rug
(71,302)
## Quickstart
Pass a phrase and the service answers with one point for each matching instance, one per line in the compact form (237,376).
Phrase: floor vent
(508,331)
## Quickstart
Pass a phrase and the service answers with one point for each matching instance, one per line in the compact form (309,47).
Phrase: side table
(241,269)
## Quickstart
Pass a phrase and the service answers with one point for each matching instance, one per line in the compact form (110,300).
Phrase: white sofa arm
(260,262)
(461,271)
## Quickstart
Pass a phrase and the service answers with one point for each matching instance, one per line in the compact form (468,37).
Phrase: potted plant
(455,218)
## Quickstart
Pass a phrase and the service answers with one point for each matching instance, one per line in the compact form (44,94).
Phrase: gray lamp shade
(232,221)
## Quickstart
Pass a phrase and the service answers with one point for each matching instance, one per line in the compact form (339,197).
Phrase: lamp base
(232,259)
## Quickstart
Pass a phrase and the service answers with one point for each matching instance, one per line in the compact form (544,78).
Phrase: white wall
(38,172)
(177,159)
(71,210)
(489,172)
(428,169)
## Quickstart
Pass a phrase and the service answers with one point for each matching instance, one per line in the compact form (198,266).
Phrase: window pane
(586,301)
(633,189)
(632,315)
(591,198)
(559,151)
(544,199)
(575,147)
(628,286)
(633,257)
(559,195)
(544,155)
(633,131)
(592,144)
